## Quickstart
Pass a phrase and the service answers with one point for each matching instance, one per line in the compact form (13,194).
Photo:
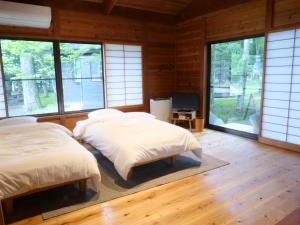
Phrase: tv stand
(184,115)
(184,110)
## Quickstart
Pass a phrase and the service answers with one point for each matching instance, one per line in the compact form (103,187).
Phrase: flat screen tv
(185,101)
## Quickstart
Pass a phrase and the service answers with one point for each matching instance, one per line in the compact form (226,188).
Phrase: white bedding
(38,155)
(126,140)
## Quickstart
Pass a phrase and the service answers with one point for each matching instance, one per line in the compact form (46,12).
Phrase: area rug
(67,199)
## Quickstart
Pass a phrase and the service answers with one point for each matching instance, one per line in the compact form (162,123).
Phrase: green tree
(28,63)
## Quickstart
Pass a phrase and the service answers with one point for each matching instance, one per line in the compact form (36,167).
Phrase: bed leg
(82,186)
(1,215)
(173,160)
(8,206)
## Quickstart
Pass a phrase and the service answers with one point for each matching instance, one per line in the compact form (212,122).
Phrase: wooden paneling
(241,20)
(286,13)
(160,57)
(201,8)
(162,6)
(190,56)
(97,27)
(67,120)
(108,6)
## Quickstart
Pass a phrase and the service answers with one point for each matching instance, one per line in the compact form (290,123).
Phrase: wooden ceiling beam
(144,15)
(108,6)
(200,8)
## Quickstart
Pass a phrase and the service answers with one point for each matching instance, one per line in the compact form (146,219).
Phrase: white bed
(129,139)
(38,155)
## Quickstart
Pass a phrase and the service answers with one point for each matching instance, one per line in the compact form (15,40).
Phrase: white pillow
(18,120)
(104,112)
(133,115)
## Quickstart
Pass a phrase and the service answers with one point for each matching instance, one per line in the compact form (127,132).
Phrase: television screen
(185,101)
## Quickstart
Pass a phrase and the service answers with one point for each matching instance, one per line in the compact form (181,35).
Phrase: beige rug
(67,199)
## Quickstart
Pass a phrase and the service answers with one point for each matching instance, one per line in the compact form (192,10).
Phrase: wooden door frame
(208,65)
(1,214)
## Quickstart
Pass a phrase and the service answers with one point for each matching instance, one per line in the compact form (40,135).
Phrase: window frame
(208,86)
(58,75)
(60,79)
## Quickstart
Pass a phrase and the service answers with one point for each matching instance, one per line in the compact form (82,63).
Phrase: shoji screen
(123,75)
(281,112)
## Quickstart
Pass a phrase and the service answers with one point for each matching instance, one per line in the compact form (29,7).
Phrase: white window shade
(123,75)
(281,112)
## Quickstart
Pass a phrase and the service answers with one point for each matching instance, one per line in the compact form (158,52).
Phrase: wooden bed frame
(7,204)
(130,174)
(172,160)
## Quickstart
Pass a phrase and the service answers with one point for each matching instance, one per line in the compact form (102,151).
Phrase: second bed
(132,139)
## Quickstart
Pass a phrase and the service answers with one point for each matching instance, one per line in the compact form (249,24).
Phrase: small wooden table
(180,115)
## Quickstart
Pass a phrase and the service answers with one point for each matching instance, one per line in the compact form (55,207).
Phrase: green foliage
(42,56)
(231,54)
(237,66)
(71,53)
(225,109)
(40,52)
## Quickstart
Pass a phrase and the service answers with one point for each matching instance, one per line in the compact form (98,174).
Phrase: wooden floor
(260,186)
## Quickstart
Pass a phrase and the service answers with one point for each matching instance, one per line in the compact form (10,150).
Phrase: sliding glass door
(236,69)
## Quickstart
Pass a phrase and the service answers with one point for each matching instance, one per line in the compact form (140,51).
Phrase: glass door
(235,83)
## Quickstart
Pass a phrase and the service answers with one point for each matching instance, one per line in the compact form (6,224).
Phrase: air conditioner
(24,15)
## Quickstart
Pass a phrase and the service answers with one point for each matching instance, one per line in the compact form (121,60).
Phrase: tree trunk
(245,72)
(257,65)
(30,90)
(45,88)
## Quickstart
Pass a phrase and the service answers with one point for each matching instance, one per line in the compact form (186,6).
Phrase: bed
(40,156)
(132,139)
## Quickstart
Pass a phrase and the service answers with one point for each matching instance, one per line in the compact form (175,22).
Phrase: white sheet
(39,155)
(126,140)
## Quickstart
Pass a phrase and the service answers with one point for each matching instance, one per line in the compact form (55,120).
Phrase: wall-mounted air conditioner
(24,15)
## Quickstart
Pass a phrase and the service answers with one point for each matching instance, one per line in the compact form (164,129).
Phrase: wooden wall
(174,56)
(193,36)
(241,20)
(190,59)
(158,42)
(286,13)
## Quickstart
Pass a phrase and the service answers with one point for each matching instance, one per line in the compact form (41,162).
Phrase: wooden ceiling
(170,11)
(181,9)
(171,7)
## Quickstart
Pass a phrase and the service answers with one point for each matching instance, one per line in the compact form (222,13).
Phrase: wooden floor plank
(260,186)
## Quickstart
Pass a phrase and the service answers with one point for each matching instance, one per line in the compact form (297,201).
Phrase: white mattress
(126,140)
(38,155)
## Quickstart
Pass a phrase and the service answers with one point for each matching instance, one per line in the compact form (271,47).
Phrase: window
(50,77)
(29,76)
(123,75)
(81,66)
(281,111)
(235,85)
